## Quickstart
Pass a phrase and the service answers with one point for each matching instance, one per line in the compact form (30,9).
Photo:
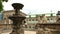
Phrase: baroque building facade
(30,21)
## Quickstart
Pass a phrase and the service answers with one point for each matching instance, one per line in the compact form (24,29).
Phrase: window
(4,18)
(33,19)
(30,19)
(51,19)
(59,19)
(41,17)
(47,18)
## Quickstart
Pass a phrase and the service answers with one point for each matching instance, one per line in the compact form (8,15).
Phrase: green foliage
(1,6)
(5,0)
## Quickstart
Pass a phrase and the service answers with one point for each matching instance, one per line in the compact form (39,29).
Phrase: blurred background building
(31,20)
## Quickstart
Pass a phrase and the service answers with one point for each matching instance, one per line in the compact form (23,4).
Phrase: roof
(10,11)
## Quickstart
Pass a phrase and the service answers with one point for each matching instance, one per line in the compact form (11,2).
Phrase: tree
(1,6)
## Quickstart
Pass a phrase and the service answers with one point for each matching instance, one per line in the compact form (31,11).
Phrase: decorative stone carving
(17,19)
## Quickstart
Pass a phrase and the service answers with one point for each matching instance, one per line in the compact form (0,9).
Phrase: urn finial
(17,5)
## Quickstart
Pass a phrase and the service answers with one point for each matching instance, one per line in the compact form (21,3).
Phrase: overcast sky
(35,6)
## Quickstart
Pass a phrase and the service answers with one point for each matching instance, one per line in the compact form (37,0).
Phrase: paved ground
(26,32)
(29,32)
(5,33)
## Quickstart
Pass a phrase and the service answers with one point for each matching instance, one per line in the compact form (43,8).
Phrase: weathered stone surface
(17,20)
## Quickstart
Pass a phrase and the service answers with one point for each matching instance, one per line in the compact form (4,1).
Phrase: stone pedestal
(17,22)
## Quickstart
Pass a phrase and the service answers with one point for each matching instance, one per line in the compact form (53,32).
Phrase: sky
(35,6)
